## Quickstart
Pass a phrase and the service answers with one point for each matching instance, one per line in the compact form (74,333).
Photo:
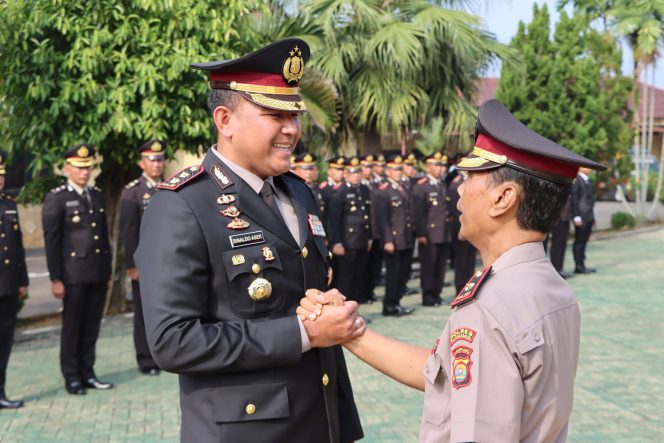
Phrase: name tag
(250,238)
(350,195)
(316,226)
(72,203)
(10,211)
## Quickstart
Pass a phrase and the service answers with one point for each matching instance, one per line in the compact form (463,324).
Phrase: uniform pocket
(246,265)
(436,399)
(250,402)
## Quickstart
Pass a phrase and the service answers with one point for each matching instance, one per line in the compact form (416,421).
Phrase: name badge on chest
(72,203)
(250,238)
(315,225)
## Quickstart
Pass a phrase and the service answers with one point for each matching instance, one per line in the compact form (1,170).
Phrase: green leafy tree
(112,74)
(570,89)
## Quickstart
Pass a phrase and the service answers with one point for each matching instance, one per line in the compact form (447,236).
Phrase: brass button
(5,248)
(394,232)
(96,237)
(97,251)
(305,252)
(432,225)
(251,408)
(94,225)
(2,235)
(326,379)
(101,210)
(366,217)
(91,211)
(7,261)
(256,268)
(350,229)
(73,254)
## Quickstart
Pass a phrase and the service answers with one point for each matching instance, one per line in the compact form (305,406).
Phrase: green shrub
(620,220)
(36,189)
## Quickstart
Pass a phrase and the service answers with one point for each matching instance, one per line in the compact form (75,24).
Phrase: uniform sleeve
(382,211)
(486,387)
(335,214)
(419,208)
(52,218)
(176,287)
(23,277)
(129,225)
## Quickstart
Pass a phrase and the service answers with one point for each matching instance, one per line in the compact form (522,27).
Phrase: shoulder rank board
(182,177)
(468,292)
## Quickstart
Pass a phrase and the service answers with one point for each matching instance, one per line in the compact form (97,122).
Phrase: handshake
(329,319)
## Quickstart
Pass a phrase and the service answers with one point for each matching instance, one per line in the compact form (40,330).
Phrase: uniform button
(73,254)
(256,268)
(537,337)
(350,229)
(15,227)
(250,409)
(101,210)
(366,217)
(91,211)
(432,225)
(96,237)
(94,225)
(326,379)
(5,248)
(305,252)
(97,251)
(2,235)
(394,232)
(7,261)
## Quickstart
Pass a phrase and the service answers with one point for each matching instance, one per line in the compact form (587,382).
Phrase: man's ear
(505,198)
(223,118)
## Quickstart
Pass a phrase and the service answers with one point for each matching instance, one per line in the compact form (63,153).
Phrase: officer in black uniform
(583,217)
(305,167)
(227,250)
(433,228)
(375,260)
(79,263)
(13,280)
(334,182)
(408,179)
(393,219)
(464,255)
(135,198)
(349,229)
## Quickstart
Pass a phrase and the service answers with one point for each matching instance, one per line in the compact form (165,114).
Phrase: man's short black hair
(540,202)
(222,97)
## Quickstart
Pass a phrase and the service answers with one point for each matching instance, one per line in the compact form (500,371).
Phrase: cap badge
(82,152)
(238,223)
(225,199)
(294,66)
(370,158)
(354,161)
(231,211)
(308,158)
(267,254)
(437,155)
(398,160)
(260,289)
(155,147)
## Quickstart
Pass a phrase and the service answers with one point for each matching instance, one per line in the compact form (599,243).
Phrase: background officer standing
(583,216)
(394,223)
(432,229)
(13,280)
(79,263)
(135,198)
(350,232)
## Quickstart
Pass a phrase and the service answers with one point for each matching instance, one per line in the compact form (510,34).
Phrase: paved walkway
(619,386)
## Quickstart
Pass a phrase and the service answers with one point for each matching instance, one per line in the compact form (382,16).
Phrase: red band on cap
(526,158)
(253,78)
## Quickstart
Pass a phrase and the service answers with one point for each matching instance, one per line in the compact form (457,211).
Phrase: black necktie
(86,194)
(268,197)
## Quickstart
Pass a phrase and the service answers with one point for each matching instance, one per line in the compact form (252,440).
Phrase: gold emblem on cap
(294,66)
(340,161)
(398,160)
(155,147)
(260,289)
(238,223)
(411,156)
(237,259)
(82,152)
(231,211)
(437,156)
(267,254)
(225,199)
(308,158)
(354,161)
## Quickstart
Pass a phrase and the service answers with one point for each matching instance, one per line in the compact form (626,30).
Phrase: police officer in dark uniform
(432,228)
(583,217)
(13,280)
(334,182)
(375,260)
(393,219)
(79,263)
(135,198)
(305,167)
(464,255)
(349,229)
(227,249)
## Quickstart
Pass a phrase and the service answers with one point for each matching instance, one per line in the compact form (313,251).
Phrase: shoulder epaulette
(132,184)
(383,186)
(96,188)
(470,289)
(59,189)
(181,178)
(322,185)
(422,181)
(8,197)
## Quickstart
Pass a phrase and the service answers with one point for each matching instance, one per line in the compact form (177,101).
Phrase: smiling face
(260,140)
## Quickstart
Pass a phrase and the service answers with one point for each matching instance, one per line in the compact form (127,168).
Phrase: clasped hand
(328,318)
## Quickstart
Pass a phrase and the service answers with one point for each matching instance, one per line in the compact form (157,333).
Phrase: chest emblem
(267,254)
(465,334)
(225,199)
(315,225)
(237,259)
(238,223)
(260,289)
(461,367)
(231,211)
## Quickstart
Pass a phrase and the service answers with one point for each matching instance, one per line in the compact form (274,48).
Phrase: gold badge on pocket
(260,289)
(267,254)
(238,223)
(237,259)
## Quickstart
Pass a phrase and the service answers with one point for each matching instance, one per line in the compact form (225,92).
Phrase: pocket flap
(251,402)
(432,368)
(530,339)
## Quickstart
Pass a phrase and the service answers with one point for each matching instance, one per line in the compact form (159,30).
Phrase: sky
(502,17)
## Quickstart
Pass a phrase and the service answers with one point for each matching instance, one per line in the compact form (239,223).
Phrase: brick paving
(619,387)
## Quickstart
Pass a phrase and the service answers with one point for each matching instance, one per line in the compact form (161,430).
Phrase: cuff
(306,344)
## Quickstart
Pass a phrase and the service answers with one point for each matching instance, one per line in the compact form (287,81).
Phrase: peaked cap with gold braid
(268,77)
